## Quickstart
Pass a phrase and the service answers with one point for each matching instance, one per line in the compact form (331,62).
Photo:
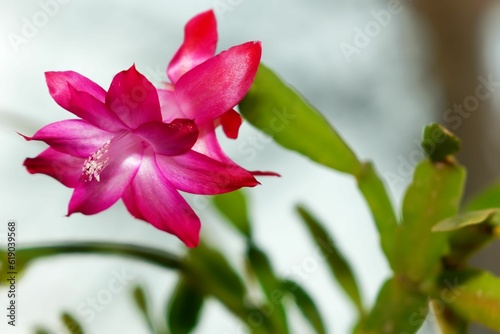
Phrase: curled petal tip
(261,173)
(27,138)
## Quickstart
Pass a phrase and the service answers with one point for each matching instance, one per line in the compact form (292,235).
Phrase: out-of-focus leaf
(438,143)
(337,263)
(233,206)
(434,195)
(306,305)
(447,321)
(465,219)
(14,263)
(397,310)
(141,301)
(381,208)
(184,308)
(42,331)
(208,269)
(488,198)
(472,294)
(282,113)
(271,286)
(71,324)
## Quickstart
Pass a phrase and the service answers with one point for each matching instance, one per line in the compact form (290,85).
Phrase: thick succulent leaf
(376,196)
(271,285)
(438,143)
(184,308)
(279,111)
(473,294)
(397,310)
(233,206)
(434,195)
(336,261)
(469,232)
(466,219)
(72,325)
(306,305)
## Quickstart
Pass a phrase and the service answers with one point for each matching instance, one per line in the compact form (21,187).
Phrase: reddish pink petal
(217,85)
(62,167)
(133,98)
(93,196)
(198,174)
(153,199)
(231,122)
(170,110)
(208,144)
(58,87)
(200,41)
(173,138)
(74,136)
(94,111)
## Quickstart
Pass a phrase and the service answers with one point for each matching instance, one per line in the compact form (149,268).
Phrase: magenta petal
(128,198)
(133,98)
(155,200)
(170,109)
(198,174)
(231,122)
(93,196)
(58,87)
(218,84)
(200,41)
(62,167)
(74,136)
(94,111)
(173,138)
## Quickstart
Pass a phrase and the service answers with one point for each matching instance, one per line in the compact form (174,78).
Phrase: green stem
(159,257)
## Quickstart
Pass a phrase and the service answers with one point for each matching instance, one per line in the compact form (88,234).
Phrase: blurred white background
(378,100)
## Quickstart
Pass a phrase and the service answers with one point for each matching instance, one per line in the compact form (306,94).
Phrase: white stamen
(95,164)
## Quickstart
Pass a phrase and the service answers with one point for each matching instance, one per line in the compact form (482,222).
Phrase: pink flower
(124,146)
(196,75)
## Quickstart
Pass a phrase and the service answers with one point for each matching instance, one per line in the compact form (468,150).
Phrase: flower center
(95,164)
